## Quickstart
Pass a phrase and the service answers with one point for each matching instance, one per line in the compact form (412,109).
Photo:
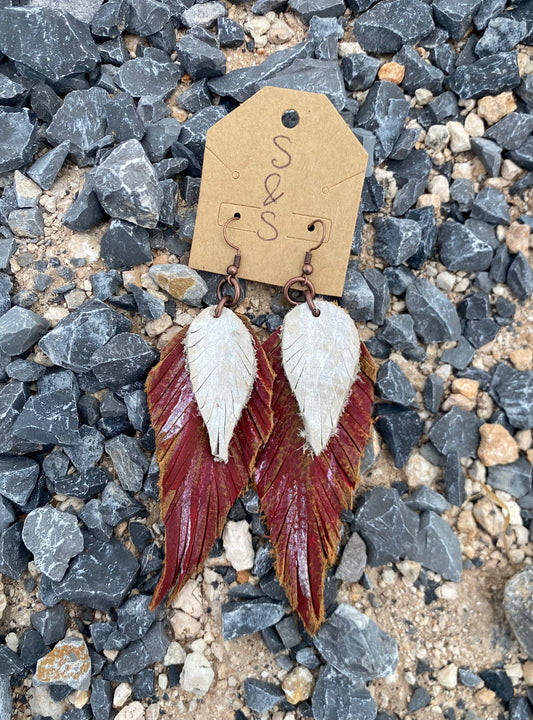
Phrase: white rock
(423,96)
(459,138)
(474,125)
(440,186)
(437,137)
(175,655)
(42,704)
(197,674)
(190,599)
(420,471)
(237,542)
(121,694)
(133,711)
(447,677)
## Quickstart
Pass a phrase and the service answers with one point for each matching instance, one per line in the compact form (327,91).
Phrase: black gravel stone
(88,451)
(306,9)
(14,556)
(100,577)
(47,43)
(75,339)
(377,348)
(357,297)
(20,329)
(412,175)
(385,109)
(393,385)
(126,185)
(500,264)
(456,431)
(244,618)
(122,119)
(354,645)
(377,283)
(419,699)
(520,276)
(147,17)
(514,478)
(311,75)
(418,72)
(7,514)
(461,355)
(86,211)
(45,170)
(381,515)
(455,16)
(51,624)
(444,107)
(435,318)
(200,59)
(405,144)
(81,123)
(105,283)
(489,153)
(398,332)
(433,390)
(475,306)
(437,548)
(491,206)
(101,698)
(18,476)
(91,516)
(240,84)
(398,279)
(84,485)
(288,631)
(148,306)
(230,34)
(118,505)
(194,130)
(129,461)
(144,684)
(125,245)
(396,239)
(49,418)
(480,332)
(144,76)
(261,696)
(488,76)
(44,102)
(123,360)
(31,648)
(512,131)
(386,27)
(513,391)
(359,71)
(373,194)
(339,697)
(499,682)
(424,498)
(462,192)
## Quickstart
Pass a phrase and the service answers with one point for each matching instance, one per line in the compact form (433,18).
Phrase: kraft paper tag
(279,161)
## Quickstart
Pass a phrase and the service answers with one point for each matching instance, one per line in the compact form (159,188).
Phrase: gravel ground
(429,608)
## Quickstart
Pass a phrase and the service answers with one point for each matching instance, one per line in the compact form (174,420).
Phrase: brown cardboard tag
(280,176)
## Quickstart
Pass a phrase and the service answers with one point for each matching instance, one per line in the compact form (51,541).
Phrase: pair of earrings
(293,414)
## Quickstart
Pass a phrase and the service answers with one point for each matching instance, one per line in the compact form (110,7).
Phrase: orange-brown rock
(392,71)
(67,664)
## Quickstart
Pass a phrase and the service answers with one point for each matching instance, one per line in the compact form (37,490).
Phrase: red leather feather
(196,492)
(302,495)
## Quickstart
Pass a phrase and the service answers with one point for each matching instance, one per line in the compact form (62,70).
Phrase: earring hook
(231,278)
(225,233)
(323,224)
(307,269)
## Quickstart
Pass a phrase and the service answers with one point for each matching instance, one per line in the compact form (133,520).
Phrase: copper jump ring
(309,292)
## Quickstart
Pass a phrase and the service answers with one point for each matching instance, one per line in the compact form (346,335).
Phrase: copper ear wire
(303,279)
(231,277)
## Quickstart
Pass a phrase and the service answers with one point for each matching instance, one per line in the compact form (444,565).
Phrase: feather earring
(309,468)
(210,403)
